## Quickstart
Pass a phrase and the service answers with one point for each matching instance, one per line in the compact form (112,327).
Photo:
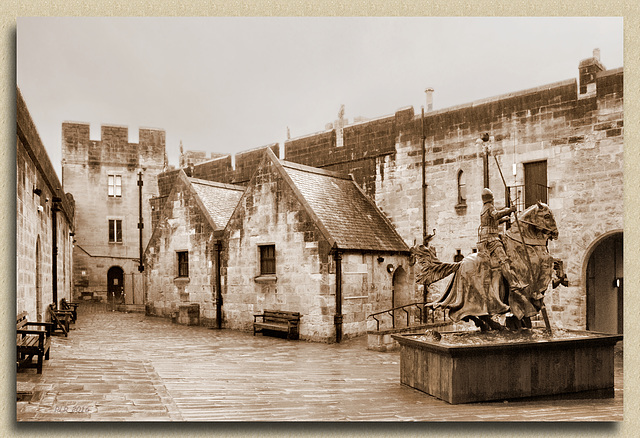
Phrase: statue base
(466,367)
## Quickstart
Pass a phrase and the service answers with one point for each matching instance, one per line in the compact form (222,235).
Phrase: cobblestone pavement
(130,367)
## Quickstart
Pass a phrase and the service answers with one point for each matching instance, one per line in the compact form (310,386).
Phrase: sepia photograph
(319,219)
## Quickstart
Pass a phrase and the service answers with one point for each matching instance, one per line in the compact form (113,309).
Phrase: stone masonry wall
(34,224)
(580,138)
(183,228)
(269,213)
(86,166)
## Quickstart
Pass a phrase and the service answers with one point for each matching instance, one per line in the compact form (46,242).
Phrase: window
(183,263)
(115,230)
(115,185)
(267,260)
(462,188)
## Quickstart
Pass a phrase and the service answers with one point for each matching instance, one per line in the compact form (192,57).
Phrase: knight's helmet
(487,195)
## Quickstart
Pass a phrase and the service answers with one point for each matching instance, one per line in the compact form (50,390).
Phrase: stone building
(104,176)
(308,240)
(182,270)
(561,143)
(44,224)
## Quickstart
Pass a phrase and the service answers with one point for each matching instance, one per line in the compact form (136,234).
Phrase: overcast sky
(233,84)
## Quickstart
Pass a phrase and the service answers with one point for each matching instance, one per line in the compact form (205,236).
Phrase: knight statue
(490,244)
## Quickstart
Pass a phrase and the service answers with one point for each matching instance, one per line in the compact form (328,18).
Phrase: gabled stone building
(562,143)
(309,240)
(44,224)
(182,270)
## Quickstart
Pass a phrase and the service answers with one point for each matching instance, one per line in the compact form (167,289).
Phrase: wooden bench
(277,321)
(72,307)
(60,319)
(32,342)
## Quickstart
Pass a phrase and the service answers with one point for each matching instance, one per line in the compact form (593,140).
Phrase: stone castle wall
(36,187)
(580,135)
(86,165)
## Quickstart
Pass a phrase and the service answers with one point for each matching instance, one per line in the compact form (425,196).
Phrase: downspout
(140,221)
(54,254)
(337,256)
(424,184)
(218,249)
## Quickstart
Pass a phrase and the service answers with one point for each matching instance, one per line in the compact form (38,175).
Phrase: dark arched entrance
(604,282)
(115,284)
(400,295)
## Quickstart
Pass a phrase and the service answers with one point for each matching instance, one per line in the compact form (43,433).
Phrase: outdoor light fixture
(37,191)
(617,282)
(390,268)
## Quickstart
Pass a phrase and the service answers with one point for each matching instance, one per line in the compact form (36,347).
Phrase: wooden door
(535,182)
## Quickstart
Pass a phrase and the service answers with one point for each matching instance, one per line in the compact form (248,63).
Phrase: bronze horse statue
(478,290)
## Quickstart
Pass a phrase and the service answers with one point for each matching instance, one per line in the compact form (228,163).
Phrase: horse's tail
(431,269)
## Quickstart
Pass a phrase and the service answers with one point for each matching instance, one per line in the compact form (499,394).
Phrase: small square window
(267,259)
(183,263)
(115,186)
(115,230)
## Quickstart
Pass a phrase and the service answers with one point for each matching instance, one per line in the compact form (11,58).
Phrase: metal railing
(423,310)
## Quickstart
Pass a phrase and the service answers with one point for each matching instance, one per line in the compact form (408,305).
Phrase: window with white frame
(115,186)
(115,230)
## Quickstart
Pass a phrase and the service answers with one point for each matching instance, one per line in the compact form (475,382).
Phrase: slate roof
(351,219)
(218,199)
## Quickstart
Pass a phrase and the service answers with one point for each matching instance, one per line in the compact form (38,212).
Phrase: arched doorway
(400,295)
(115,284)
(38,281)
(604,284)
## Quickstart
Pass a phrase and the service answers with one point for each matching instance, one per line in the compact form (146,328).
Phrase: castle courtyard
(117,366)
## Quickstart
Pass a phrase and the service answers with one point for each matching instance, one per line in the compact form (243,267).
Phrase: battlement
(113,147)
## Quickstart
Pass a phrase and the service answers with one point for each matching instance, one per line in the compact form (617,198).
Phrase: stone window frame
(266,275)
(115,220)
(182,264)
(461,190)
(114,190)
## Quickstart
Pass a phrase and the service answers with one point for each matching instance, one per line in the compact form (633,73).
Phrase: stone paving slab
(129,367)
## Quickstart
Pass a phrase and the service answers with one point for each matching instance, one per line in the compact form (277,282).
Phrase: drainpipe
(424,185)
(337,256)
(218,249)
(54,254)
(140,221)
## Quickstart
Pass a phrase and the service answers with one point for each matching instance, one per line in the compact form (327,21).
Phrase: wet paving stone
(129,367)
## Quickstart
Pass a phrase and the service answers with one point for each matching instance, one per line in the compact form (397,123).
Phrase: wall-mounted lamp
(617,282)
(37,191)
(40,208)
(390,268)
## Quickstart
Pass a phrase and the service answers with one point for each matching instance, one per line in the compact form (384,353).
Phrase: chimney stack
(429,92)
(588,69)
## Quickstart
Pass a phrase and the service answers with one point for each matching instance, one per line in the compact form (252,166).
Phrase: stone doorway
(604,284)
(400,295)
(115,285)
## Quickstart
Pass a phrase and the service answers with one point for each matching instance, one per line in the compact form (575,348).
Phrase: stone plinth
(531,365)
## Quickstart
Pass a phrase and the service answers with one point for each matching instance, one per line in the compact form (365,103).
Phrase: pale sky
(233,84)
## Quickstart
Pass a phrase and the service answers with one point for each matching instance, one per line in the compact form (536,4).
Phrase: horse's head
(541,217)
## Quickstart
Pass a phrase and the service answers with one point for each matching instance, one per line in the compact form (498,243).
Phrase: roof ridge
(216,184)
(316,170)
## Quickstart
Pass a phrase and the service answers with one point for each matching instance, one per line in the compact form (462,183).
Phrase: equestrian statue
(508,275)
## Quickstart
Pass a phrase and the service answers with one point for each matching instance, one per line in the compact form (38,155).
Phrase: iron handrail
(419,305)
